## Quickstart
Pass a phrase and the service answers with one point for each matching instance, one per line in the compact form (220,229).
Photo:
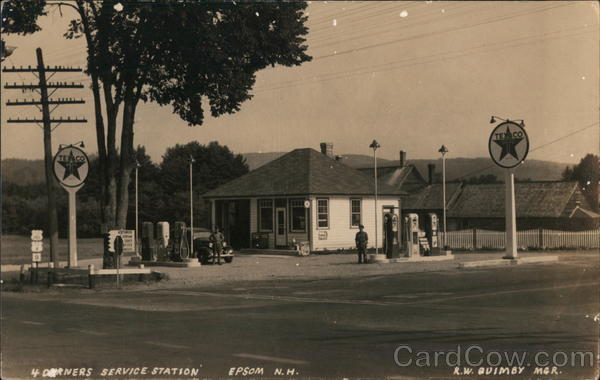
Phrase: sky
(413,75)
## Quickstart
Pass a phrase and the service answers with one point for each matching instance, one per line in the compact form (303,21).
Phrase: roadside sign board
(37,246)
(36,257)
(128,237)
(71,167)
(37,235)
(508,144)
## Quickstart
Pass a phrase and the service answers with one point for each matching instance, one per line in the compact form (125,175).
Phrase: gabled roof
(533,199)
(430,198)
(300,172)
(579,212)
(396,176)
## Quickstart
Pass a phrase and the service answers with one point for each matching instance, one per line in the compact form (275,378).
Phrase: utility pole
(43,104)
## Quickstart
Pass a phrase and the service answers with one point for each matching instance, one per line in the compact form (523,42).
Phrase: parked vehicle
(203,247)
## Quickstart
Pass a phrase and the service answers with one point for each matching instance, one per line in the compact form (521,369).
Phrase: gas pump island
(407,242)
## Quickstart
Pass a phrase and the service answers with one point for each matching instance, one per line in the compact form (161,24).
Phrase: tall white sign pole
(508,146)
(71,166)
(510,216)
(72,263)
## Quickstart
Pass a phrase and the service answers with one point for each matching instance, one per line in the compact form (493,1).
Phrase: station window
(298,215)
(323,213)
(355,212)
(265,215)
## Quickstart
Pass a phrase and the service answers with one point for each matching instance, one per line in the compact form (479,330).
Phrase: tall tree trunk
(127,159)
(111,171)
(112,110)
(100,137)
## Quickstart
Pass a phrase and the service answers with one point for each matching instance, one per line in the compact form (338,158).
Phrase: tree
(214,165)
(20,17)
(189,55)
(587,174)
(179,53)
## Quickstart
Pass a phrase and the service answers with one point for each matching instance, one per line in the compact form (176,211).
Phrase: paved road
(327,327)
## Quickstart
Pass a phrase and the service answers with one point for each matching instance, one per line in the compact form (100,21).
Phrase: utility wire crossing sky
(413,75)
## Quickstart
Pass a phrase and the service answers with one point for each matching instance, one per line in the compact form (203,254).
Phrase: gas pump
(412,234)
(148,243)
(432,231)
(162,240)
(390,239)
(181,250)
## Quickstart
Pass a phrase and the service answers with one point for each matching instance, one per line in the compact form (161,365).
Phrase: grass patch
(17,249)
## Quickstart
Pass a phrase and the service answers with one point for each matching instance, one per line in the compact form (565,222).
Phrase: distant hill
(464,168)
(456,168)
(25,172)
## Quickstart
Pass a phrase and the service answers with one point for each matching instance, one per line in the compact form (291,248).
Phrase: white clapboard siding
(340,234)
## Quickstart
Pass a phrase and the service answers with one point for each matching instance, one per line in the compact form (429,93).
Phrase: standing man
(216,239)
(361,240)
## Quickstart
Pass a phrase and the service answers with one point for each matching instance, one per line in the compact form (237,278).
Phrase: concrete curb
(508,262)
(383,260)
(265,252)
(192,263)
(83,264)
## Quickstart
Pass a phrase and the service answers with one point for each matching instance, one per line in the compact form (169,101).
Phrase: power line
(416,21)
(402,23)
(454,29)
(361,19)
(327,19)
(395,65)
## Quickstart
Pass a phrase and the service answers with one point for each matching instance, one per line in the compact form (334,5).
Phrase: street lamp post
(191,207)
(137,222)
(443,150)
(374,145)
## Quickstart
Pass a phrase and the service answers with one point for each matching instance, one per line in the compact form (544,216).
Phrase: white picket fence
(538,238)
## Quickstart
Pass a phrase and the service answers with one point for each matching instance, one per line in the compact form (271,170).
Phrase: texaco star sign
(71,166)
(508,144)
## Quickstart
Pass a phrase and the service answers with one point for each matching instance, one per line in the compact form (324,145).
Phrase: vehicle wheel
(228,260)
(203,257)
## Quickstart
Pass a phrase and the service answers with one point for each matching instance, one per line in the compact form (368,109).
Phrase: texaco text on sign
(71,166)
(508,144)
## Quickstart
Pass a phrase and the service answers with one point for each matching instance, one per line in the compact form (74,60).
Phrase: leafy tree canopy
(178,53)
(213,165)
(20,17)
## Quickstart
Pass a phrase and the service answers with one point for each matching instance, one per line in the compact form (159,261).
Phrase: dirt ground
(257,267)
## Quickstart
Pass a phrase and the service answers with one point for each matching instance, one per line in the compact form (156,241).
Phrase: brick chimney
(402,158)
(430,173)
(327,149)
